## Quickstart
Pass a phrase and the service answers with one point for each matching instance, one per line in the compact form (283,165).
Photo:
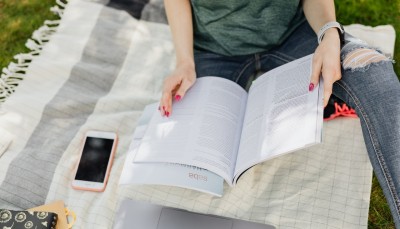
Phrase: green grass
(373,13)
(19,18)
(379,213)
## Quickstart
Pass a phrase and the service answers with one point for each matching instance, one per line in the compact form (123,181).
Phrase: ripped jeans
(368,84)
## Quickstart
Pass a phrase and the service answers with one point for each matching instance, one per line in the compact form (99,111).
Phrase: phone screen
(95,156)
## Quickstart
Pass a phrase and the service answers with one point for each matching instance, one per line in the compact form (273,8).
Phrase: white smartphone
(97,153)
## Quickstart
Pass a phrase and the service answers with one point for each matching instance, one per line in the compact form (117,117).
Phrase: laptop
(141,215)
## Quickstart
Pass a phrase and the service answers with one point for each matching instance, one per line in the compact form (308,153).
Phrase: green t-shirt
(240,27)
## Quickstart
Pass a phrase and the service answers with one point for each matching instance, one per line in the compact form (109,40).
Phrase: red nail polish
(311,87)
(167,113)
(177,97)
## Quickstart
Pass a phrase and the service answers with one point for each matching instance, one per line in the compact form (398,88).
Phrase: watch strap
(332,24)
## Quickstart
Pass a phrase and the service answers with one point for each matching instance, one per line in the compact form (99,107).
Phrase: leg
(370,86)
(302,42)
(235,68)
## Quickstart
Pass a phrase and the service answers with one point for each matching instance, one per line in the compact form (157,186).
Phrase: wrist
(332,33)
(329,28)
(185,63)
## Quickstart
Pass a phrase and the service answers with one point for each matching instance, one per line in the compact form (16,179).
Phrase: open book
(220,127)
(171,174)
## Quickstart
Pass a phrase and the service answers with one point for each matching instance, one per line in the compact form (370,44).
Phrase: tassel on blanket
(15,72)
(59,8)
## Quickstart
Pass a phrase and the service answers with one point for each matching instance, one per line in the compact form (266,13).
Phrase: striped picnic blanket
(103,63)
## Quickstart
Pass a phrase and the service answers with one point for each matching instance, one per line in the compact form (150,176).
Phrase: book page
(282,115)
(179,175)
(203,129)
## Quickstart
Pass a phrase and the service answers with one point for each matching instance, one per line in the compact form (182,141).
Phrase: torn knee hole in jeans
(362,58)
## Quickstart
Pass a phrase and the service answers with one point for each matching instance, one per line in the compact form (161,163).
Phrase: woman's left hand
(326,60)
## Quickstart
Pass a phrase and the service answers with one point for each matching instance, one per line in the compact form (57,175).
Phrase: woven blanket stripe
(152,11)
(47,73)
(77,98)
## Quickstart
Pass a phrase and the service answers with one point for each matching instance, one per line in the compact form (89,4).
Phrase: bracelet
(332,24)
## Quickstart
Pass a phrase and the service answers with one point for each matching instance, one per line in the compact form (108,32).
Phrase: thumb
(185,85)
(315,73)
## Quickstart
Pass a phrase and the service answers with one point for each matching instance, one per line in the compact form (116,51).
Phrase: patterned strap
(332,24)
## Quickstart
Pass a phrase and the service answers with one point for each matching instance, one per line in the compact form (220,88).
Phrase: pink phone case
(108,167)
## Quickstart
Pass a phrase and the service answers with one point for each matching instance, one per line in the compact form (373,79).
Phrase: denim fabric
(373,91)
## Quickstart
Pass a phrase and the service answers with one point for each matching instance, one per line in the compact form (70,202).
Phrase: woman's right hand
(175,86)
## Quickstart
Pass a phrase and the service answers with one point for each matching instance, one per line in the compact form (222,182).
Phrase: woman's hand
(326,60)
(175,86)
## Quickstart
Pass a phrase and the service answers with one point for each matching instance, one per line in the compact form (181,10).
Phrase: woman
(236,39)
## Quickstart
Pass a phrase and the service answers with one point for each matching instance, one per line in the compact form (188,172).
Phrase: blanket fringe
(15,72)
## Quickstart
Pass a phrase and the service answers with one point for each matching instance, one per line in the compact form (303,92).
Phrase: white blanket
(98,71)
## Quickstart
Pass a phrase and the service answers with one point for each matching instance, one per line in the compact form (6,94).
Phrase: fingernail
(311,87)
(163,108)
(159,108)
(167,113)
(177,97)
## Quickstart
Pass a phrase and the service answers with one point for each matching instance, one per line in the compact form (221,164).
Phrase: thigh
(302,42)
(234,68)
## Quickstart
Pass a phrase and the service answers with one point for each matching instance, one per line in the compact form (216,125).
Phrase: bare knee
(362,58)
